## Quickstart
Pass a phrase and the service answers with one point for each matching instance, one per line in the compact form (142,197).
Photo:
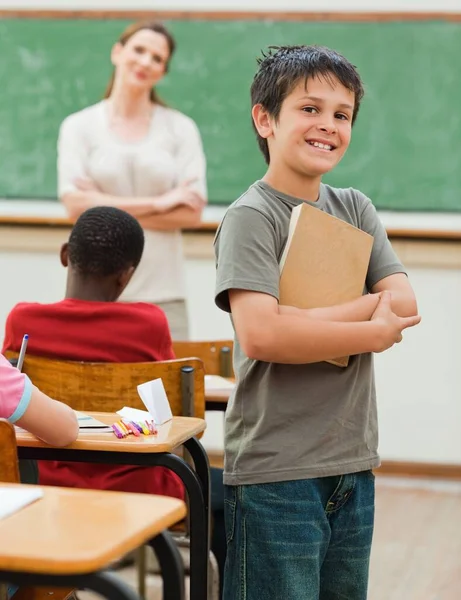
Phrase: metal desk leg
(197,485)
(171,566)
(109,586)
(199,517)
(202,469)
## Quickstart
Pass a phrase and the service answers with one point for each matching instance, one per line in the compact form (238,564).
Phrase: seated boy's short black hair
(281,69)
(105,241)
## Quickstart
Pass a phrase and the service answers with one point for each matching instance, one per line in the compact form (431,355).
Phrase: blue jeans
(299,540)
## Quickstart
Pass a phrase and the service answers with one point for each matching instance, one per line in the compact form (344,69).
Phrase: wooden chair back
(107,387)
(215,354)
(9,470)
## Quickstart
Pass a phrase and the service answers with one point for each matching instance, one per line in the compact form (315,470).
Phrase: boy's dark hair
(281,69)
(105,241)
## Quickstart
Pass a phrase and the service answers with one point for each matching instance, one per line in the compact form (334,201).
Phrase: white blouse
(170,153)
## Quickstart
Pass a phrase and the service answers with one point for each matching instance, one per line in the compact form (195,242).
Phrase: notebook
(90,425)
(324,263)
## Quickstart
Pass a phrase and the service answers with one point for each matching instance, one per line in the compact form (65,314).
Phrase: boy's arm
(403,303)
(360,309)
(269,336)
(402,294)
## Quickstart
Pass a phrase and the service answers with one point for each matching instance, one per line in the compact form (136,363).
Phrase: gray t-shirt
(286,422)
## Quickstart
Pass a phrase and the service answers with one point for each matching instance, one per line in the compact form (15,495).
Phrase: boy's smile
(310,135)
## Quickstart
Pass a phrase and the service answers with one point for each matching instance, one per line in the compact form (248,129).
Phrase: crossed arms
(373,323)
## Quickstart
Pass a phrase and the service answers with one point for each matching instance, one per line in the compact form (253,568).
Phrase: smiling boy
(301,434)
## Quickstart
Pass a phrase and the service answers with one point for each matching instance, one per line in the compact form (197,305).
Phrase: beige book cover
(324,263)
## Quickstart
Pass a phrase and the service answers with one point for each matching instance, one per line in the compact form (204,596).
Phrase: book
(88,424)
(324,262)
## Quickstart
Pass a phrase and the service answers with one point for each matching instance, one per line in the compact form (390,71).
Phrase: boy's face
(313,129)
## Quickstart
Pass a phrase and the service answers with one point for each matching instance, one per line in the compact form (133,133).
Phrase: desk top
(170,436)
(218,395)
(72,531)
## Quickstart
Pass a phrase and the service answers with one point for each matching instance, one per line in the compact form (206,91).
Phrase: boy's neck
(89,289)
(293,184)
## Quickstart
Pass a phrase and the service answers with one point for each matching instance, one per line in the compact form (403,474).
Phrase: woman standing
(133,152)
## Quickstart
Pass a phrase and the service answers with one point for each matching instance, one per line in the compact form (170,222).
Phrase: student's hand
(390,326)
(182,195)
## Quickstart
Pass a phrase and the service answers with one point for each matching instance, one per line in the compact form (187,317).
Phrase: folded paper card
(153,395)
(134,414)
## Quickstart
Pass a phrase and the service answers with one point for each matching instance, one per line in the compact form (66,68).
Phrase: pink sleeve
(15,391)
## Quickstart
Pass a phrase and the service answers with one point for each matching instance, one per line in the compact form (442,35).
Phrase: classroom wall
(418,381)
(248,5)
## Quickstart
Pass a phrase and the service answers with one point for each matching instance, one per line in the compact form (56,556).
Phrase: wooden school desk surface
(148,451)
(170,436)
(217,399)
(72,534)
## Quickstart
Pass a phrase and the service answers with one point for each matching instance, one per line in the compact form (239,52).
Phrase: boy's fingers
(384,302)
(410,321)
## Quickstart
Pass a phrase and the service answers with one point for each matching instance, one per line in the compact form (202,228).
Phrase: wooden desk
(170,436)
(148,451)
(67,537)
(217,399)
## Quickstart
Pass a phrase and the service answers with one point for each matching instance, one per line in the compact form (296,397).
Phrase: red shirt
(96,332)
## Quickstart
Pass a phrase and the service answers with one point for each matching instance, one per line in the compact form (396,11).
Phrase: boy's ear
(262,120)
(64,255)
(124,278)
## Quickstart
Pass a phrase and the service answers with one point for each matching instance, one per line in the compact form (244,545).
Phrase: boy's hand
(390,325)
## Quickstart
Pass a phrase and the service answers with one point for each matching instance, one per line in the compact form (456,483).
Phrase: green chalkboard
(406,148)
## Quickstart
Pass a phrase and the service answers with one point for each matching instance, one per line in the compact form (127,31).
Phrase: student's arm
(385,271)
(53,422)
(403,303)
(402,294)
(357,310)
(269,336)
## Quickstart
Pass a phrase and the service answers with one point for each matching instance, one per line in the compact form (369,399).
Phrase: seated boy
(103,251)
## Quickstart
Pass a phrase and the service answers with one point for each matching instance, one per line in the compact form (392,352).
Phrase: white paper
(13,499)
(134,414)
(153,395)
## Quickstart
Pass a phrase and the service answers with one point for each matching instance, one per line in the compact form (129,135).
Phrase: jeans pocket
(230,510)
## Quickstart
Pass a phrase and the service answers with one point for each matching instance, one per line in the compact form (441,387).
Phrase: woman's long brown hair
(127,34)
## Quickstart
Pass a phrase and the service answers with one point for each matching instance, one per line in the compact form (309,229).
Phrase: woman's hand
(86,185)
(182,195)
